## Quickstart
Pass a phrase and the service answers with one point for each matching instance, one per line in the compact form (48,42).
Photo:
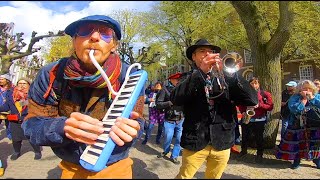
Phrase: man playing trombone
(209,96)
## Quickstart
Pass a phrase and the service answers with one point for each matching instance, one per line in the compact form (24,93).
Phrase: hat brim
(192,48)
(72,28)
(6,77)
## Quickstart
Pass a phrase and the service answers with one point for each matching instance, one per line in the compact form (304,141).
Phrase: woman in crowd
(155,115)
(17,104)
(302,140)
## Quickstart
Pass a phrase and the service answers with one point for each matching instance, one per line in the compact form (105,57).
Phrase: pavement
(148,166)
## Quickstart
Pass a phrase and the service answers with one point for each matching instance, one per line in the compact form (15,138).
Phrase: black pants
(255,128)
(17,147)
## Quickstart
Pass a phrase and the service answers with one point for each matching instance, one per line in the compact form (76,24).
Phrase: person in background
(6,87)
(285,95)
(317,83)
(257,122)
(156,116)
(209,106)
(1,169)
(17,104)
(69,98)
(173,119)
(148,90)
(237,134)
(300,140)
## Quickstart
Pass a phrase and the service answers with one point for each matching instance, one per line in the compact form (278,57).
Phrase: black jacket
(285,111)
(172,112)
(199,127)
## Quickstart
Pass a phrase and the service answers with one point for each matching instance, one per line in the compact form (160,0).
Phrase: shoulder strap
(61,83)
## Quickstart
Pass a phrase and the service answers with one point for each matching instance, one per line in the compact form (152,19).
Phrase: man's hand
(210,61)
(83,128)
(306,95)
(125,130)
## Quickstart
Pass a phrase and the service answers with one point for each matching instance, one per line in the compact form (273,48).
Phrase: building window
(306,72)
(247,56)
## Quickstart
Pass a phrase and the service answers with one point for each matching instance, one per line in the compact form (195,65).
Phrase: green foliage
(305,39)
(58,47)
(172,26)
(130,24)
(153,71)
(221,25)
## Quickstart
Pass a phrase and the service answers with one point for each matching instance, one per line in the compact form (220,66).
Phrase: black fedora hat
(201,42)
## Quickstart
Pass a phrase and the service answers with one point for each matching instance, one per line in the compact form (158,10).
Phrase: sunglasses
(106,33)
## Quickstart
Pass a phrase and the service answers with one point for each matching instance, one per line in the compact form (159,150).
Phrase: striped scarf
(78,77)
(20,96)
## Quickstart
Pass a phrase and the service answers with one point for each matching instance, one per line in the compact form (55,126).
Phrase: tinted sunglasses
(106,33)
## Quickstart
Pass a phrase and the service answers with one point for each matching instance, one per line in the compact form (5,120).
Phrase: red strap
(13,117)
(52,77)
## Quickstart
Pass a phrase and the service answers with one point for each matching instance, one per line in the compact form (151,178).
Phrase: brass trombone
(232,62)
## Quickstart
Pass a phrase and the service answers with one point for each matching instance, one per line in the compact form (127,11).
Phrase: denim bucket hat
(72,28)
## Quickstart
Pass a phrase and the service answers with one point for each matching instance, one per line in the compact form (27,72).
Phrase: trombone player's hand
(210,61)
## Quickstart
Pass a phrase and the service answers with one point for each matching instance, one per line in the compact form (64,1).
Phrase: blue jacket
(296,107)
(3,95)
(9,106)
(48,130)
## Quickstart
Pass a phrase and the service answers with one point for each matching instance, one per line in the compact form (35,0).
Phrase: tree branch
(248,14)
(36,39)
(282,33)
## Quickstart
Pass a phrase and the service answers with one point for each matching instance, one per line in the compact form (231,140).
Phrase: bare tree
(11,45)
(144,56)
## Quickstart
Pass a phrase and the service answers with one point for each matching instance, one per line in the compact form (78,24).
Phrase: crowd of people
(199,112)
(14,108)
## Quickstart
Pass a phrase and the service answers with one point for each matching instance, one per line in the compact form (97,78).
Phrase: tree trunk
(5,65)
(270,80)
(266,48)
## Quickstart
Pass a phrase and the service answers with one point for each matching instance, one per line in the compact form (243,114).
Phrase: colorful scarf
(78,77)
(20,93)
(20,96)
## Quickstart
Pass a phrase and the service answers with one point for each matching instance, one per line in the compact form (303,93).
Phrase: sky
(45,16)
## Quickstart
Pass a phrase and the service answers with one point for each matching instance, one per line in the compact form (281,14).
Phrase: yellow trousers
(192,160)
(119,170)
